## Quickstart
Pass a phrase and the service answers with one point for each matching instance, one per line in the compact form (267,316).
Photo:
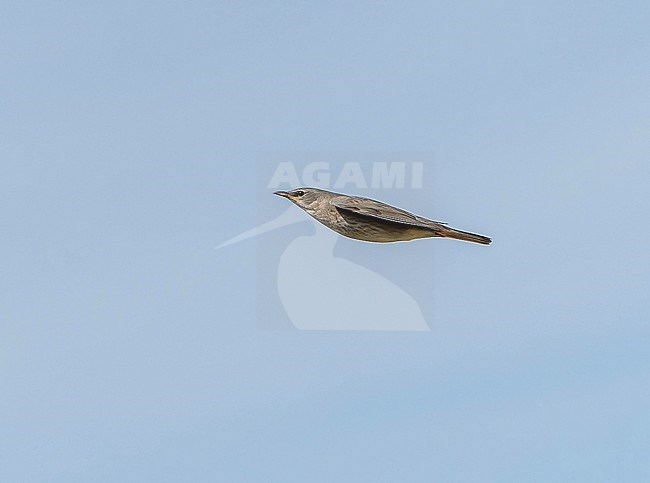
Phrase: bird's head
(306,198)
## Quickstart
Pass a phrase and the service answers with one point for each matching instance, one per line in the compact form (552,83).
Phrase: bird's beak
(284,194)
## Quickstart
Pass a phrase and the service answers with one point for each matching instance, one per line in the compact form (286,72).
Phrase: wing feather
(382,211)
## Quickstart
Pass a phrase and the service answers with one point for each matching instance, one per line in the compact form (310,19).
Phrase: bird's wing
(379,210)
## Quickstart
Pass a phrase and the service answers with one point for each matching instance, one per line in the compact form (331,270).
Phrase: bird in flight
(370,220)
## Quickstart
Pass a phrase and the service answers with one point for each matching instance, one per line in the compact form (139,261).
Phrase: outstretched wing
(378,210)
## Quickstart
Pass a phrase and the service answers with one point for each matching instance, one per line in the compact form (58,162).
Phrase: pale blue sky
(130,137)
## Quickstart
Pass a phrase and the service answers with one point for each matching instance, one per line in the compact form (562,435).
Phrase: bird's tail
(465,236)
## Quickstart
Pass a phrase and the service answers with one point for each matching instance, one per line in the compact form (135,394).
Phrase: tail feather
(466,236)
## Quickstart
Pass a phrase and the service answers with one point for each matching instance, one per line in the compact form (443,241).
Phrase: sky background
(130,137)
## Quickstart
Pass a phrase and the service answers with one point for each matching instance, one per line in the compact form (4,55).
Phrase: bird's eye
(298,193)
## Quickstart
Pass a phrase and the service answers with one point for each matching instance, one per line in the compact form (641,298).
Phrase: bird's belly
(381,234)
(375,230)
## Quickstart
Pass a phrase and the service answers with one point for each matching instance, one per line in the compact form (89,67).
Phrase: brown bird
(371,220)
